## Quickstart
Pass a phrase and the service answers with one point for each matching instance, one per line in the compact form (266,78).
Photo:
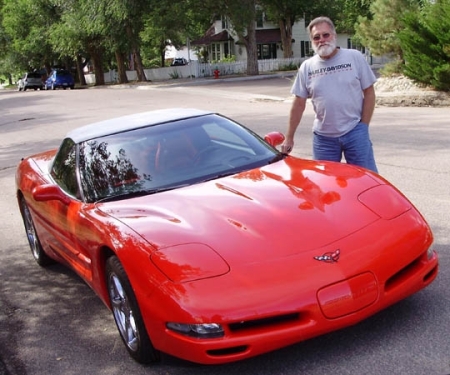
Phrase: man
(340,85)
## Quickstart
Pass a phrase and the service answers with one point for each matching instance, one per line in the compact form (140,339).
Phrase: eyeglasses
(317,37)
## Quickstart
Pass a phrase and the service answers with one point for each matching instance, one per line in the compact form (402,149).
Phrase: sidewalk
(201,81)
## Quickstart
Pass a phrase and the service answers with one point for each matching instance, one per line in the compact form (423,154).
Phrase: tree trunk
(97,61)
(138,65)
(136,54)
(121,67)
(252,52)
(162,55)
(162,52)
(286,37)
(81,78)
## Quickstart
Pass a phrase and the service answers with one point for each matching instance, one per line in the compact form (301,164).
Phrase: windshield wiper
(220,175)
(277,157)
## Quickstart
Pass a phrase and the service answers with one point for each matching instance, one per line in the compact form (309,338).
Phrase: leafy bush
(175,74)
(425,42)
(391,68)
(288,67)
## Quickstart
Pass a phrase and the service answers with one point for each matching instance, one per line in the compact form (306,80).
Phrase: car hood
(279,210)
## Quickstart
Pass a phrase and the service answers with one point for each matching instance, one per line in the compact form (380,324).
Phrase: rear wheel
(35,245)
(127,315)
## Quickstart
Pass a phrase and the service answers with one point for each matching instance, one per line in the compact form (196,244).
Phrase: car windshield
(166,156)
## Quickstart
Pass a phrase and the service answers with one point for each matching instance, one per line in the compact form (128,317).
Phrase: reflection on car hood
(281,209)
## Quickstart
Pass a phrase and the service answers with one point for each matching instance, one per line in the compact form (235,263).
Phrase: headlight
(202,331)
(189,262)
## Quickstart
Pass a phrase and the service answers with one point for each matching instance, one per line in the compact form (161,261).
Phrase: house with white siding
(221,42)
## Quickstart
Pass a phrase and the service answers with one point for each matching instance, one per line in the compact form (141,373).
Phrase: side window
(64,168)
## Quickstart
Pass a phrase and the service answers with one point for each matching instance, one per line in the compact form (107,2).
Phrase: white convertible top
(138,120)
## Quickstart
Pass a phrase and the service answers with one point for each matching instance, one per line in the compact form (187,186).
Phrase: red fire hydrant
(216,73)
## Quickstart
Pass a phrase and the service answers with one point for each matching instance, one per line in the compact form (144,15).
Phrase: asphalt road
(52,323)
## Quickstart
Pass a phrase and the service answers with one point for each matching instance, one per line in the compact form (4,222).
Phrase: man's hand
(287,146)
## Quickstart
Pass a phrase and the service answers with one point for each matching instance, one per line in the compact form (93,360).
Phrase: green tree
(242,17)
(25,23)
(285,13)
(68,38)
(380,33)
(347,12)
(6,59)
(127,16)
(426,44)
(172,23)
(242,14)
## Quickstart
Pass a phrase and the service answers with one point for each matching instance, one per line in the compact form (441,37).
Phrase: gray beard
(325,50)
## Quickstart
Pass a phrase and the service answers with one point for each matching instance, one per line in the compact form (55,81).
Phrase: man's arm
(295,116)
(368,105)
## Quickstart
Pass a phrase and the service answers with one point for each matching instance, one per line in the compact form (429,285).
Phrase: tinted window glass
(63,73)
(168,155)
(64,168)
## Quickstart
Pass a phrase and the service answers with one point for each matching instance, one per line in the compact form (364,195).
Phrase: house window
(305,48)
(215,52)
(267,51)
(224,23)
(259,18)
(226,50)
(352,45)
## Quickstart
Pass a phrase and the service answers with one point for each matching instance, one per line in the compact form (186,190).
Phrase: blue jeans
(356,147)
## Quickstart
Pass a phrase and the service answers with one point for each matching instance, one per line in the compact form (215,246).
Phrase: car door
(69,228)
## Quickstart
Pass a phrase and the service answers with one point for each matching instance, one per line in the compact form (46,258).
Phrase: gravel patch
(400,91)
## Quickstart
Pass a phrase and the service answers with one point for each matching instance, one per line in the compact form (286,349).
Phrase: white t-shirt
(335,87)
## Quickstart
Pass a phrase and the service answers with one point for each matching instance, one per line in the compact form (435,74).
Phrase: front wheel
(127,315)
(35,245)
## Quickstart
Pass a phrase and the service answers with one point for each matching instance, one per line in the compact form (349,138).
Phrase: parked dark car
(59,78)
(32,80)
(179,61)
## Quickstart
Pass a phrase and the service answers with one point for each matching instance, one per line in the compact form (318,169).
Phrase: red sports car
(209,244)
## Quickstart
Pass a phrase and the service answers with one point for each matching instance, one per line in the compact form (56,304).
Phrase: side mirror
(274,138)
(44,193)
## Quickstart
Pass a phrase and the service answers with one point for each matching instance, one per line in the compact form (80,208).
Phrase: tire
(127,315)
(38,252)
